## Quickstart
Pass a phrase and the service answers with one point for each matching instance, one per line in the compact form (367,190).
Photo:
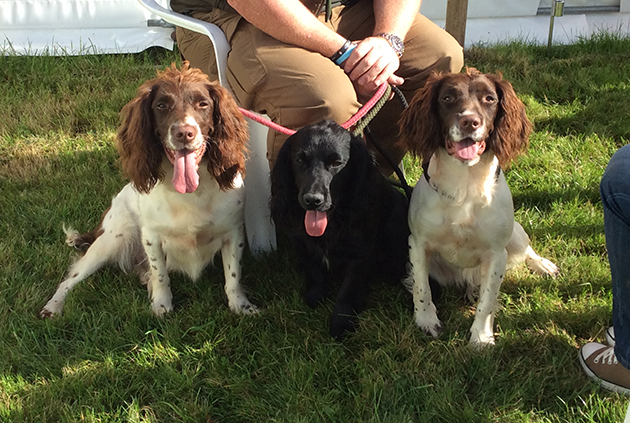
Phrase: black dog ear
(356,172)
(283,189)
(359,152)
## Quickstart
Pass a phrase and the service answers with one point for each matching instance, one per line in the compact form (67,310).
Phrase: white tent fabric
(493,21)
(70,27)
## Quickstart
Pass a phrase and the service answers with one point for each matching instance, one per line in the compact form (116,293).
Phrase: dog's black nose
(313,200)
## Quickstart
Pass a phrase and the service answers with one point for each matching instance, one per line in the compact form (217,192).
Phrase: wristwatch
(394,41)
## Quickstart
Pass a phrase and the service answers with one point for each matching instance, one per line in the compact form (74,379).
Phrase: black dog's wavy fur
(367,230)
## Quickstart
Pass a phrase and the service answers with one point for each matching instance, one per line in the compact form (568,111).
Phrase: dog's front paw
(429,323)
(480,340)
(160,309)
(52,308)
(162,304)
(47,313)
(314,296)
(243,306)
(343,321)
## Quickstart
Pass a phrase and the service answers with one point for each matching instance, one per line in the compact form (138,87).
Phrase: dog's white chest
(461,225)
(459,238)
(193,227)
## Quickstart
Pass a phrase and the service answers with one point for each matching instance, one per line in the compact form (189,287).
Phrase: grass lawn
(107,359)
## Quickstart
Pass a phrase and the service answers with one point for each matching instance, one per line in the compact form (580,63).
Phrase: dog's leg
(425,311)
(351,299)
(492,273)
(231,254)
(519,249)
(540,265)
(158,284)
(313,263)
(103,250)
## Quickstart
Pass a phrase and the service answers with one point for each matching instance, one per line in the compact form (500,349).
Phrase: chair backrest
(217,37)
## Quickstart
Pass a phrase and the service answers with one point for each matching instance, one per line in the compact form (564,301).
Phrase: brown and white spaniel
(182,143)
(465,127)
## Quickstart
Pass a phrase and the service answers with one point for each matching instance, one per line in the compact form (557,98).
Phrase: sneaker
(601,365)
(610,336)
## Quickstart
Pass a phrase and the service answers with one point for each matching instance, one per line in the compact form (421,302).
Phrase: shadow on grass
(230,370)
(108,357)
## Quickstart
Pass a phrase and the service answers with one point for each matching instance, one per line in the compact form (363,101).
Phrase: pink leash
(348,124)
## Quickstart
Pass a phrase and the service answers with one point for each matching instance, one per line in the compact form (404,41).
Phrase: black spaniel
(346,222)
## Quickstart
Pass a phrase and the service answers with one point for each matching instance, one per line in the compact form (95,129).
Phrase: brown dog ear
(419,127)
(228,138)
(138,147)
(512,128)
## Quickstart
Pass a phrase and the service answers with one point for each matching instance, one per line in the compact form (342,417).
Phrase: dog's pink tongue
(185,176)
(466,149)
(315,222)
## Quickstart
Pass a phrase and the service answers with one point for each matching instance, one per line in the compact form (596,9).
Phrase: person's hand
(371,64)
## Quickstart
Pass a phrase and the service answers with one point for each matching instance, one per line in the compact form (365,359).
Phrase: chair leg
(261,232)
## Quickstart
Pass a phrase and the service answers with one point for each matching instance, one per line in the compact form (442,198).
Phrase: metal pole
(557,9)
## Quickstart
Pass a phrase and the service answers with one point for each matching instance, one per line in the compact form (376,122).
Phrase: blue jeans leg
(615,193)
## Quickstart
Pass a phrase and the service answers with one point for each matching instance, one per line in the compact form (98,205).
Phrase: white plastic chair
(261,233)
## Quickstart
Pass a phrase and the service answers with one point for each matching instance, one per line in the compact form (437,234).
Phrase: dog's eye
(203,104)
(336,163)
(490,98)
(448,98)
(161,106)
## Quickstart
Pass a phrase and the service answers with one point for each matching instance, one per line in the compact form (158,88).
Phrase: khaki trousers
(296,87)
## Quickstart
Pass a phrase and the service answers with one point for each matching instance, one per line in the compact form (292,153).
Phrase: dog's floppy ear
(511,126)
(359,153)
(139,148)
(420,128)
(228,138)
(357,170)
(284,191)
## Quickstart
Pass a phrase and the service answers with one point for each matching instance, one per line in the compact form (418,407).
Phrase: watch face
(396,43)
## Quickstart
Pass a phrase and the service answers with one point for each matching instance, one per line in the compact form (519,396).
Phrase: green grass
(107,359)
